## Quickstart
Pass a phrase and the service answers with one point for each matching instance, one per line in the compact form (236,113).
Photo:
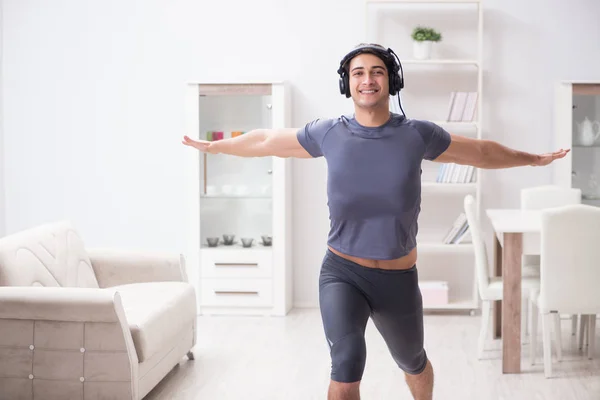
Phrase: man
(374,182)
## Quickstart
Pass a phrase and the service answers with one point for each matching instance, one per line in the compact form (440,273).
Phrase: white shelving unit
(455,65)
(248,197)
(576,102)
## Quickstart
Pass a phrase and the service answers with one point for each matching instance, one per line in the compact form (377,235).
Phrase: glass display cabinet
(239,235)
(577,127)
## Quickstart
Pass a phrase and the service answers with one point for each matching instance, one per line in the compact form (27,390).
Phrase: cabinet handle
(236,264)
(242,292)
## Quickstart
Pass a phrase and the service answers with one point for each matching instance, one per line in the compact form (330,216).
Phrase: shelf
(233,196)
(432,61)
(580,146)
(430,247)
(454,305)
(457,124)
(588,197)
(236,247)
(422,1)
(460,188)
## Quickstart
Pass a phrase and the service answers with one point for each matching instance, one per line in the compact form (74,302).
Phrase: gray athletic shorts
(349,294)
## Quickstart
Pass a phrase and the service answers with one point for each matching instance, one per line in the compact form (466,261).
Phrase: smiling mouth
(368,91)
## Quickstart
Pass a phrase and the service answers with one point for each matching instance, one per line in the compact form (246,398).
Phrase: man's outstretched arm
(255,143)
(492,155)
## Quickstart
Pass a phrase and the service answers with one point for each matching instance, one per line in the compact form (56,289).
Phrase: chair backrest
(570,259)
(52,254)
(481,261)
(547,196)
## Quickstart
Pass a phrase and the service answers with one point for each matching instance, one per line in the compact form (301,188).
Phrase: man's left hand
(547,158)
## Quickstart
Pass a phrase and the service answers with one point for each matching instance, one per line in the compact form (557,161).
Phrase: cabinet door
(236,193)
(579,124)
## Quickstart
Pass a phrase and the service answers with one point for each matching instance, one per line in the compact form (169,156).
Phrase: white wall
(2,194)
(93,102)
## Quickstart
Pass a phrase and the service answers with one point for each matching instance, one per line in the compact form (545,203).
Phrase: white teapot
(586,133)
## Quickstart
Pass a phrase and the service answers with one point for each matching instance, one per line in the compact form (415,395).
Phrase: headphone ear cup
(344,85)
(394,84)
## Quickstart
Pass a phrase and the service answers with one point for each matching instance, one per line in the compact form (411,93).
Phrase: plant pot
(422,49)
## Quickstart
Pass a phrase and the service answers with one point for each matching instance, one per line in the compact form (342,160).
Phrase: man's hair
(382,54)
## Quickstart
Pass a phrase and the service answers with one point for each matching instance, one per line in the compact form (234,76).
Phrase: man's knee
(348,358)
(414,364)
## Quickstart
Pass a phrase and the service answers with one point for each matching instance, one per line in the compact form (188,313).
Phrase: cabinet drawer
(236,292)
(236,264)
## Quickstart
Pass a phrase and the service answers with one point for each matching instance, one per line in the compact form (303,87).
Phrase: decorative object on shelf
(217,136)
(586,134)
(454,173)
(458,232)
(435,293)
(423,38)
(212,241)
(247,242)
(236,133)
(228,239)
(267,240)
(462,106)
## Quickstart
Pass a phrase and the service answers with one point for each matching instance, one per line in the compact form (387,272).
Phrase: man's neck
(372,117)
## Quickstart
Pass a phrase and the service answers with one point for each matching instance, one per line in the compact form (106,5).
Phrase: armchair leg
(190,355)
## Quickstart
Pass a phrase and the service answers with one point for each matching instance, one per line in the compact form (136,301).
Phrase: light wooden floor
(287,359)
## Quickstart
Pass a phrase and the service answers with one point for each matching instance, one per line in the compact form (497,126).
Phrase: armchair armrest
(59,304)
(44,327)
(118,267)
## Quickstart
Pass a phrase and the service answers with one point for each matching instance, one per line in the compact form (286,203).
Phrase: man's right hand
(202,145)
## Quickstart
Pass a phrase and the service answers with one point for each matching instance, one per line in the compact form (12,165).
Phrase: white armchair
(104,323)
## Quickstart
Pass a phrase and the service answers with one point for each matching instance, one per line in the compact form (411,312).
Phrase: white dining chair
(569,272)
(490,288)
(539,198)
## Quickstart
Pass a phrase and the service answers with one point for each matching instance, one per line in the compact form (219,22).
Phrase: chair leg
(547,337)
(574,324)
(486,307)
(524,318)
(582,330)
(591,335)
(557,336)
(533,312)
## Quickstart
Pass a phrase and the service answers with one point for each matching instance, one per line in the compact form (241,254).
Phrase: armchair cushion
(156,313)
(47,255)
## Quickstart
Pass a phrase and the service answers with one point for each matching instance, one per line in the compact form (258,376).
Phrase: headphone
(395,73)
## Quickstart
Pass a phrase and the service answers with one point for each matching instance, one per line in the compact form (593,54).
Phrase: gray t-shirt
(374,181)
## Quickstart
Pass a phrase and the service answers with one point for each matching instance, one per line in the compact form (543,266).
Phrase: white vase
(422,49)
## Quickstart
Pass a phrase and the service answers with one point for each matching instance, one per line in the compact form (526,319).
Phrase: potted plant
(423,37)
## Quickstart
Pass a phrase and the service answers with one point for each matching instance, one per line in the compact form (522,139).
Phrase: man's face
(369,82)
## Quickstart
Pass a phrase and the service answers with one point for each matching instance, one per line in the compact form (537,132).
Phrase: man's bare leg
(343,391)
(421,385)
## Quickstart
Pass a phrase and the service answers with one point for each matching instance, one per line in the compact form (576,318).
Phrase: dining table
(516,232)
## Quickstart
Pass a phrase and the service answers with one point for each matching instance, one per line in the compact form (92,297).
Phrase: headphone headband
(385,55)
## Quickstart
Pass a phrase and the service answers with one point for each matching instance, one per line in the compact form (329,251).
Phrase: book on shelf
(462,106)
(459,232)
(455,173)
